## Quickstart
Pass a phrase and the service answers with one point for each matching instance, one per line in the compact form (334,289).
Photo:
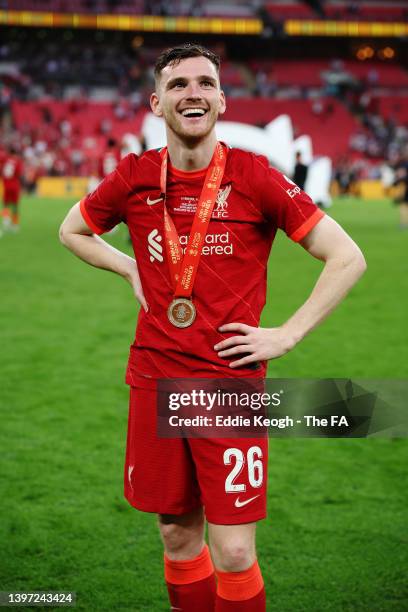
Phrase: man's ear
(223,103)
(155,105)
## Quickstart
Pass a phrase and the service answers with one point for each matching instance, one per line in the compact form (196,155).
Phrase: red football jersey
(11,170)
(253,202)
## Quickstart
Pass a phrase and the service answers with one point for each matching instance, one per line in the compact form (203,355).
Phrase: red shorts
(176,475)
(11,195)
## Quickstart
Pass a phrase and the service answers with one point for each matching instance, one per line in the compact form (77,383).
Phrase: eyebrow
(181,79)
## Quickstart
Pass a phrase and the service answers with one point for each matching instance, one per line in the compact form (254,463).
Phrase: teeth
(192,111)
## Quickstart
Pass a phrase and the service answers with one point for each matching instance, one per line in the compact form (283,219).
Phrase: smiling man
(202,218)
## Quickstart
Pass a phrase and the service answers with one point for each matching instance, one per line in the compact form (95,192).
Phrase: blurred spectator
(106,126)
(300,173)
(5,99)
(66,128)
(401,179)
(121,109)
(345,176)
(109,159)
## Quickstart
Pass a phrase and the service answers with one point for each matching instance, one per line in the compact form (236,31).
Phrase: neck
(191,156)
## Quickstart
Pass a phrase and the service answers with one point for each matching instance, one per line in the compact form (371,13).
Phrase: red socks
(191,583)
(241,591)
(191,586)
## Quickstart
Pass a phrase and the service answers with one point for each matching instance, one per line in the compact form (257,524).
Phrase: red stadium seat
(336,120)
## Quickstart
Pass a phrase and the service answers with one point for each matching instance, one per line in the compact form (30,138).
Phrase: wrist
(129,270)
(291,336)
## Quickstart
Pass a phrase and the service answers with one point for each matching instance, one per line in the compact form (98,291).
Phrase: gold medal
(181,312)
(183,266)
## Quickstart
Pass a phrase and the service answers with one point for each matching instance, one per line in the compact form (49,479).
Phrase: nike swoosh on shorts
(239,504)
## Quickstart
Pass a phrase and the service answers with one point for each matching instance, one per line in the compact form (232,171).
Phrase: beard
(191,133)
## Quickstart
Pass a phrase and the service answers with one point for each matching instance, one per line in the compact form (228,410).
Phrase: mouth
(193,112)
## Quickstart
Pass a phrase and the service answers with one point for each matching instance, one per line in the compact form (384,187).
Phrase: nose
(193,90)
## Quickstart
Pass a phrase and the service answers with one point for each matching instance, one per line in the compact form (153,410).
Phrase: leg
(6,214)
(182,535)
(15,217)
(403,215)
(232,476)
(160,477)
(232,546)
(240,585)
(188,568)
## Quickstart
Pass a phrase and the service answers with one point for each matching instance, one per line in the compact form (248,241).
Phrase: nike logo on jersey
(239,504)
(151,202)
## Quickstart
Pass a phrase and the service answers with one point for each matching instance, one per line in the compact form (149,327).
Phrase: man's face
(189,98)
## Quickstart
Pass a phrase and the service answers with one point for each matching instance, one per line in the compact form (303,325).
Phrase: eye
(207,83)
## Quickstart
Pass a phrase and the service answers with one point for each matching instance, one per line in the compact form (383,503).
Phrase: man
(11,172)
(200,317)
(300,174)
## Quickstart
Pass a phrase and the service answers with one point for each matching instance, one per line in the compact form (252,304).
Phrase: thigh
(11,196)
(232,475)
(159,473)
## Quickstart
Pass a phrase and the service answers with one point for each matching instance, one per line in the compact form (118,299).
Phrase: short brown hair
(174,55)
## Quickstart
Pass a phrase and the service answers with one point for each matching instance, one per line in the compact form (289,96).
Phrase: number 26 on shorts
(254,466)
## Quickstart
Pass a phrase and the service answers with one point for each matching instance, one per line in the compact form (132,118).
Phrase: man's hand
(344,264)
(132,276)
(258,343)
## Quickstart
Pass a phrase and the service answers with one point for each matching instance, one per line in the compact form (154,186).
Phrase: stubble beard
(190,138)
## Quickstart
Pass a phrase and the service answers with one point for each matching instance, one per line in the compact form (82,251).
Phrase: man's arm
(344,265)
(78,238)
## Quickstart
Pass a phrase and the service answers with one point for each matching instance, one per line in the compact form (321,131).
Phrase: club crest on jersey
(221,205)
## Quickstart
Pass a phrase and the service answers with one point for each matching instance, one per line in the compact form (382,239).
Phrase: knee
(233,556)
(174,537)
(182,541)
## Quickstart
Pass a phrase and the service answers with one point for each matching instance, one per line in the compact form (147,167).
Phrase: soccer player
(11,172)
(200,318)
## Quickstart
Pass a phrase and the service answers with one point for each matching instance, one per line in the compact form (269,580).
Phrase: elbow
(63,235)
(360,263)
(352,262)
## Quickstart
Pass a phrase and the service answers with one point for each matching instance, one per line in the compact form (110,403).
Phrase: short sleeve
(105,207)
(284,204)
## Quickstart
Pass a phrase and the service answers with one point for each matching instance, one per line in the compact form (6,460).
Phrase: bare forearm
(77,237)
(344,264)
(98,253)
(336,280)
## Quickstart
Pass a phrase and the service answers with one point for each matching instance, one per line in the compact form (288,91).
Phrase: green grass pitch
(336,535)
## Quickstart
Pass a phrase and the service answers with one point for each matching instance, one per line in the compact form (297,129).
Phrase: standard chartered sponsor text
(215,244)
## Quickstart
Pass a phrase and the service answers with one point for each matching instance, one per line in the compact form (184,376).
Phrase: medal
(181,312)
(183,268)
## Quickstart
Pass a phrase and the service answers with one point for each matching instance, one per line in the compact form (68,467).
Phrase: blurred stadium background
(327,78)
